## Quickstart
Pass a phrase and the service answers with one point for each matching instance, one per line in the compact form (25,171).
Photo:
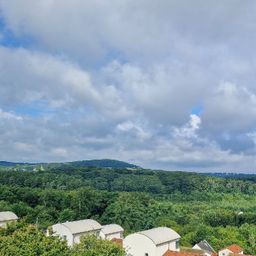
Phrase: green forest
(220,210)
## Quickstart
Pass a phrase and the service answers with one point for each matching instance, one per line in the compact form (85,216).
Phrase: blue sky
(9,39)
(162,84)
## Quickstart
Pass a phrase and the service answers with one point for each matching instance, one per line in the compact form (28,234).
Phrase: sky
(167,84)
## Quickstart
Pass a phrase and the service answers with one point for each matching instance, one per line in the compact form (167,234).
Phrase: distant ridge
(107,163)
(102,163)
(9,164)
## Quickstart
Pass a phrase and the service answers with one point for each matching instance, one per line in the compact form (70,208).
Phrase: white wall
(102,235)
(138,245)
(196,247)
(162,248)
(118,235)
(62,231)
(172,245)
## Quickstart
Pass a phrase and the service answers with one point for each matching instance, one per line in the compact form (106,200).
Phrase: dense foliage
(137,180)
(91,246)
(28,240)
(221,210)
(102,163)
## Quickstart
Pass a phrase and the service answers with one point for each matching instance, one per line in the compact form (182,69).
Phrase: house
(153,242)
(72,231)
(6,218)
(205,247)
(232,249)
(111,231)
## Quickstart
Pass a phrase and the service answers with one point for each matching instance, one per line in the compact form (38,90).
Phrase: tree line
(223,211)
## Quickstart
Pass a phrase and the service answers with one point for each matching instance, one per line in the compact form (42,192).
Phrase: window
(65,238)
(177,244)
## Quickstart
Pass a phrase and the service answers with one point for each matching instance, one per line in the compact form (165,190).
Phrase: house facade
(72,231)
(232,249)
(7,218)
(153,242)
(111,231)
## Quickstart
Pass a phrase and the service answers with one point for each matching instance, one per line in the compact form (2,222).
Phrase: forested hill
(73,176)
(9,164)
(198,207)
(103,163)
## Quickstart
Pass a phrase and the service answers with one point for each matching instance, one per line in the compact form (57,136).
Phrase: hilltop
(100,163)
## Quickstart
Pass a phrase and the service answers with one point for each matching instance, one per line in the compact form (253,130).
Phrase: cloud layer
(166,84)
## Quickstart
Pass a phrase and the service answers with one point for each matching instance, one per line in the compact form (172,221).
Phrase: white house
(153,242)
(205,247)
(232,249)
(72,231)
(7,217)
(111,231)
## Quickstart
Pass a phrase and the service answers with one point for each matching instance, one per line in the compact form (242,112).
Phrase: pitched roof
(6,216)
(160,235)
(82,226)
(234,248)
(205,246)
(183,253)
(111,228)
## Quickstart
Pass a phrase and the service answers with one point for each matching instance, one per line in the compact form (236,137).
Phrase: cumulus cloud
(42,77)
(100,79)
(189,130)
(230,107)
(134,28)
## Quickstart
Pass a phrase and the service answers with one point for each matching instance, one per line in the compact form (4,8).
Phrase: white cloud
(27,77)
(188,130)
(230,108)
(115,79)
(159,90)
(134,28)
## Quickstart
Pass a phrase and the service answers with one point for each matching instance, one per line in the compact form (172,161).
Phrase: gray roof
(6,216)
(160,235)
(111,229)
(82,226)
(205,246)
